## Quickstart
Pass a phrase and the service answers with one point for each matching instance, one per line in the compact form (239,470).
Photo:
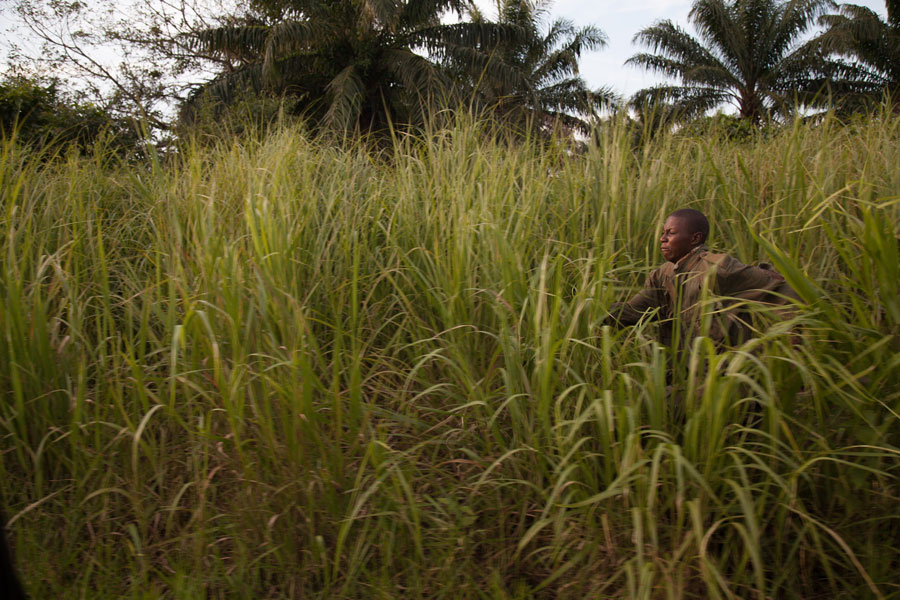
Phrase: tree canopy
(749,54)
(360,65)
(354,64)
(533,75)
(40,115)
(872,44)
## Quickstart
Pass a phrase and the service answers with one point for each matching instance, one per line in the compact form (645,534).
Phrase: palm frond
(559,31)
(710,76)
(379,15)
(228,85)
(560,63)
(553,119)
(435,38)
(748,51)
(686,101)
(893,13)
(346,93)
(716,23)
(658,64)
(670,41)
(242,42)
(413,14)
(286,38)
(490,75)
(417,74)
(290,37)
(797,17)
(571,94)
(859,33)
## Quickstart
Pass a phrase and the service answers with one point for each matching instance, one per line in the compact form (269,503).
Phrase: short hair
(696,221)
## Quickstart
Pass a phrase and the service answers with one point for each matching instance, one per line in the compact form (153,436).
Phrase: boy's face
(677,239)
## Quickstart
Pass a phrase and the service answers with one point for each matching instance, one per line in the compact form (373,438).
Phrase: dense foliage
(351,65)
(749,54)
(532,76)
(40,116)
(873,45)
(276,368)
(364,65)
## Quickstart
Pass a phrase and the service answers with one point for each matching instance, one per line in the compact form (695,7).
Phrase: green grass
(275,368)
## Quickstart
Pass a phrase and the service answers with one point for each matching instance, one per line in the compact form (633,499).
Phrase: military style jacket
(704,286)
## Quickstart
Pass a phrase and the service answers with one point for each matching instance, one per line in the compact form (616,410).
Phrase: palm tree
(858,33)
(532,76)
(352,63)
(748,54)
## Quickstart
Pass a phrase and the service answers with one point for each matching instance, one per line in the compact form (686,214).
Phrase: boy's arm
(747,282)
(629,313)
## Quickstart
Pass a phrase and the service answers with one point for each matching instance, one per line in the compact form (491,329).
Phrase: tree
(352,63)
(858,33)
(748,54)
(532,76)
(128,56)
(39,115)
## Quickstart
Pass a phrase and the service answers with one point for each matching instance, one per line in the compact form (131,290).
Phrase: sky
(620,20)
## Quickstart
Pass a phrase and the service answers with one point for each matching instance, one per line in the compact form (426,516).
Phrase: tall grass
(276,368)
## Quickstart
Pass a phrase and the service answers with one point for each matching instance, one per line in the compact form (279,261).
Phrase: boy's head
(684,230)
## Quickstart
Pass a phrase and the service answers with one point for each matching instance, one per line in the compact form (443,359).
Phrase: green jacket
(704,284)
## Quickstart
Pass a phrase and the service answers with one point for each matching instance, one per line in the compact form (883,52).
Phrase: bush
(41,116)
(730,127)
(249,111)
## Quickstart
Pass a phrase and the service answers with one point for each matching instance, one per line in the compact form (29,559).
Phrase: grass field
(275,368)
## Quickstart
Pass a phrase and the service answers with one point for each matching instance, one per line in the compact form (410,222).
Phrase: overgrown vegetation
(532,79)
(365,67)
(39,115)
(274,368)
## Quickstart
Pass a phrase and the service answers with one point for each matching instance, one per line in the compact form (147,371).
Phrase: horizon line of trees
(365,65)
